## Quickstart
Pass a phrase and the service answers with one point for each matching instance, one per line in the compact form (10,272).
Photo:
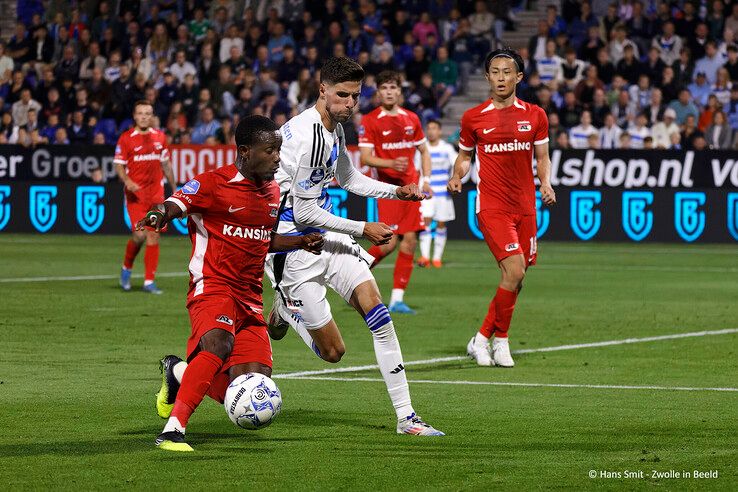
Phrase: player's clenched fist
(313,242)
(410,193)
(548,196)
(377,232)
(154,219)
(454,185)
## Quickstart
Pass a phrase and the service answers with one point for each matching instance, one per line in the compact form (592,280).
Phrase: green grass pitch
(78,373)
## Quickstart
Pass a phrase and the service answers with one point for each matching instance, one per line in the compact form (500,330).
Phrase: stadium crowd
(610,74)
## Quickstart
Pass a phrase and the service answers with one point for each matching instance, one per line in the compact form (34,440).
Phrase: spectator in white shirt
(579,135)
(610,133)
(663,130)
(618,44)
(232,38)
(549,67)
(181,67)
(639,131)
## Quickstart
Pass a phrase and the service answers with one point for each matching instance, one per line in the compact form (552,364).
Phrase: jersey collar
(385,113)
(491,106)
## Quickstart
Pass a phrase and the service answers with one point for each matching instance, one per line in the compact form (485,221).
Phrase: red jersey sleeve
(419,136)
(196,196)
(541,136)
(122,151)
(467,139)
(366,132)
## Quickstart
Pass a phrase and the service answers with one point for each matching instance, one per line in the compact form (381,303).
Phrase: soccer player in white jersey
(313,153)
(440,207)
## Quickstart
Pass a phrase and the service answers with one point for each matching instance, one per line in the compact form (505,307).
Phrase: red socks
(151,262)
(488,325)
(219,386)
(403,270)
(376,252)
(504,306)
(196,382)
(132,250)
(499,314)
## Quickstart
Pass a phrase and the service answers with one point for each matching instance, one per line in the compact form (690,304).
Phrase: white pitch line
(84,277)
(528,385)
(437,360)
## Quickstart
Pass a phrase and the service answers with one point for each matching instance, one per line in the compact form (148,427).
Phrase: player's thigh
(329,341)
(366,296)
(500,233)
(209,312)
(349,264)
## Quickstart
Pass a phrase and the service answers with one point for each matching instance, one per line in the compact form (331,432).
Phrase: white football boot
(414,425)
(479,351)
(501,353)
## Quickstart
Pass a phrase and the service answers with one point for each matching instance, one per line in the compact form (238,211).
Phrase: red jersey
(230,224)
(393,136)
(142,154)
(505,140)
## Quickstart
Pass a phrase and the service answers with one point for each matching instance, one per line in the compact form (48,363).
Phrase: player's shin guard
(504,306)
(425,238)
(389,358)
(196,382)
(132,250)
(439,244)
(151,262)
(377,253)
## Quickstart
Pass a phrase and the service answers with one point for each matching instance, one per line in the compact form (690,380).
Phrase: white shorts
(439,208)
(301,277)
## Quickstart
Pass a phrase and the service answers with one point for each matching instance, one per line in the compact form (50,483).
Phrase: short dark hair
(339,69)
(249,128)
(505,53)
(142,102)
(437,122)
(386,76)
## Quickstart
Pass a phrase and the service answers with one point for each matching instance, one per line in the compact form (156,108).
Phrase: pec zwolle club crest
(689,219)
(43,210)
(585,219)
(637,220)
(90,212)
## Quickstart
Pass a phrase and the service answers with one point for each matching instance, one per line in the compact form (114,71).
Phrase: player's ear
(244,151)
(520,76)
(322,90)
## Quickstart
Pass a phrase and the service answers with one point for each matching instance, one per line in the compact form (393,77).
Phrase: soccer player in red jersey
(232,212)
(141,161)
(388,138)
(505,132)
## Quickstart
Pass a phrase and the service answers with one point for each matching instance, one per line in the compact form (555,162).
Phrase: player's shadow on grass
(79,448)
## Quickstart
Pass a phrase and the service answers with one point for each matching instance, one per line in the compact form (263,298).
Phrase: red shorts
(223,311)
(509,234)
(138,204)
(401,216)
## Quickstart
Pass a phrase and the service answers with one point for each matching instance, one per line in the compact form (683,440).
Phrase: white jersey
(443,156)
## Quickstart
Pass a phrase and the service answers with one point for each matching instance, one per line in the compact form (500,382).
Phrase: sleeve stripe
(177,202)
(421,141)
(321,148)
(539,142)
(366,144)
(312,152)
(464,147)
(316,156)
(120,161)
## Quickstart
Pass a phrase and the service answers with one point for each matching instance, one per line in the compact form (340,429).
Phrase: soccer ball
(252,401)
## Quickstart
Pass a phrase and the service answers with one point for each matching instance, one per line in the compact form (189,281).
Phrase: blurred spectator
(415,68)
(571,111)
(699,143)
(610,133)
(579,135)
(654,109)
(423,99)
(277,43)
(722,86)
(445,74)
(668,44)
(113,70)
(654,66)
(93,60)
(549,67)
(629,66)
(231,39)
(572,69)
(625,141)
(605,69)
(638,131)
(591,46)
(562,141)
(78,131)
(182,67)
(19,46)
(23,106)
(690,132)
(423,28)
(68,66)
(61,137)
(579,26)
(8,130)
(481,22)
(207,127)
(6,65)
(537,42)
(710,63)
(684,107)
(719,135)
(712,107)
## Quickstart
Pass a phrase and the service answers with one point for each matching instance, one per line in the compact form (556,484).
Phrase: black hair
(249,128)
(386,76)
(341,69)
(505,53)
(437,122)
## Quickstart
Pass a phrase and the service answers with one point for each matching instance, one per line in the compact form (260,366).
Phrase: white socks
(439,244)
(389,358)
(173,425)
(178,370)
(425,238)
(398,295)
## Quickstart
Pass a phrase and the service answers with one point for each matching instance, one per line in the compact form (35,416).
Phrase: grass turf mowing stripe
(437,360)
(530,385)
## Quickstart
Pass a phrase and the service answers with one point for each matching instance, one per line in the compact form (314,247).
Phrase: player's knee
(513,277)
(218,342)
(334,353)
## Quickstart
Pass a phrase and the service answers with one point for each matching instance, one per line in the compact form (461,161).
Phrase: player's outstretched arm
(543,167)
(312,242)
(461,168)
(349,178)
(159,216)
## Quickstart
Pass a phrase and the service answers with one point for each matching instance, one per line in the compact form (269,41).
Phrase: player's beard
(341,117)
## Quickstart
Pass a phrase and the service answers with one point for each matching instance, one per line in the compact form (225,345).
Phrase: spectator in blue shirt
(710,63)
(684,107)
(207,127)
(277,42)
(700,89)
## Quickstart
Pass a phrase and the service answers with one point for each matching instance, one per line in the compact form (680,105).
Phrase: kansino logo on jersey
(264,235)
(513,146)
